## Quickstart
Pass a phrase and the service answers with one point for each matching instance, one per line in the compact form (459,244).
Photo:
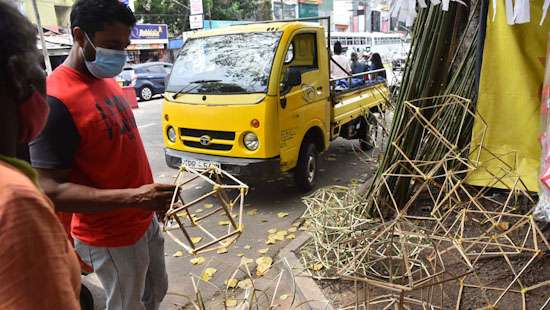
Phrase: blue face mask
(107,64)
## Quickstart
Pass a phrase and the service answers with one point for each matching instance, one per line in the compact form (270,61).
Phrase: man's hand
(70,197)
(154,197)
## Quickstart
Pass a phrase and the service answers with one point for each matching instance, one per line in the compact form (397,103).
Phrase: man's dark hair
(92,15)
(18,37)
(337,48)
(354,57)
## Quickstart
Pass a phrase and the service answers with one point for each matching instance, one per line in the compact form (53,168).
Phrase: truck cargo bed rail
(349,78)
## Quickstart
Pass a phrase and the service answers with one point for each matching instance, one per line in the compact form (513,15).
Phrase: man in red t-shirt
(92,162)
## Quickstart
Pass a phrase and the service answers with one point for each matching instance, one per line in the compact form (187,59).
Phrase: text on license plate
(199,164)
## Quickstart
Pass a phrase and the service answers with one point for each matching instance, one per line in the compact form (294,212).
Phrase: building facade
(290,9)
(53,13)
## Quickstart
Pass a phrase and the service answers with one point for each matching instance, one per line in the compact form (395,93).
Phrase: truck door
(304,100)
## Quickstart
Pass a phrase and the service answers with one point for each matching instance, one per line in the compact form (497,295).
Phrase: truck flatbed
(350,104)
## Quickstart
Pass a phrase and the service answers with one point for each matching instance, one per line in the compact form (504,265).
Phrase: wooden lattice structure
(230,197)
(427,250)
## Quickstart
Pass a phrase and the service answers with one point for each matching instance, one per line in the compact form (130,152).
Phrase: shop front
(148,42)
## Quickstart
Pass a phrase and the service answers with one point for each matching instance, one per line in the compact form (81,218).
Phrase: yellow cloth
(512,75)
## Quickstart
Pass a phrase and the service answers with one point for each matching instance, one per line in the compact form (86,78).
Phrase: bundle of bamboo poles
(442,61)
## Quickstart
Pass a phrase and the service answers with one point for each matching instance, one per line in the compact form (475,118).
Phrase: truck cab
(257,101)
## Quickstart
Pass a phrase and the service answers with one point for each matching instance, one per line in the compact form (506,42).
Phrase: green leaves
(177,16)
(163,12)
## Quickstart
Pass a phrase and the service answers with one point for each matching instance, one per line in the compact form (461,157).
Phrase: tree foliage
(167,12)
(176,15)
(230,10)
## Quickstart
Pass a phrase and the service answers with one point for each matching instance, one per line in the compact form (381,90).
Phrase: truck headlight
(171,134)
(251,141)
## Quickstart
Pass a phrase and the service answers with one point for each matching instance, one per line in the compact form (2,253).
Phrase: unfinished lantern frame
(179,213)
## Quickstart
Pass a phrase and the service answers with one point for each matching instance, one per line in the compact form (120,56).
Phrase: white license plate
(199,164)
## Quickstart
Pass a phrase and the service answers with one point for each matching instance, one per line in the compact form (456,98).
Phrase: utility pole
(210,16)
(42,40)
(354,15)
(365,12)
(368,27)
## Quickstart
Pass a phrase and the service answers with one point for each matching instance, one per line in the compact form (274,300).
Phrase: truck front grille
(197,133)
(213,146)
(188,135)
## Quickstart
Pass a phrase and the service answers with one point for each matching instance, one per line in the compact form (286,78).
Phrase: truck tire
(365,138)
(305,174)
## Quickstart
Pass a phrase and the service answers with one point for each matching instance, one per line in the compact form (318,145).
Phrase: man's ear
(78,36)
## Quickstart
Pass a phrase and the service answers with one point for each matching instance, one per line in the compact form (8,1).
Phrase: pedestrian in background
(92,162)
(357,67)
(365,57)
(339,65)
(376,64)
(38,267)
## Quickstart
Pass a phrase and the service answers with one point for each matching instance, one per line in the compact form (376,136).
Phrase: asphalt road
(339,165)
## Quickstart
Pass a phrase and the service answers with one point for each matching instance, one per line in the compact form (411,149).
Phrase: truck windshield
(233,63)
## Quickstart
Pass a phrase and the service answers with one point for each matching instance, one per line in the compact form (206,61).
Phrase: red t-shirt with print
(92,132)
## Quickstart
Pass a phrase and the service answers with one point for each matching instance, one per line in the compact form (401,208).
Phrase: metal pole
(282,9)
(210,14)
(365,5)
(354,9)
(330,87)
(42,40)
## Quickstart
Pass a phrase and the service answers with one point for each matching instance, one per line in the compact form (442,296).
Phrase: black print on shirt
(117,117)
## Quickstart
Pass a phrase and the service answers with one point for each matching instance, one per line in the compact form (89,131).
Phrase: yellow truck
(258,100)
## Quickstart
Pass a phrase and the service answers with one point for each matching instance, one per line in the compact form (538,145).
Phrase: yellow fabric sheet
(512,75)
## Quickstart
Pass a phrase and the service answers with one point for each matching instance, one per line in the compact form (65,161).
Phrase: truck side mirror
(293,78)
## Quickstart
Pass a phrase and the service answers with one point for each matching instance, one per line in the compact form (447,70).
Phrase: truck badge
(205,140)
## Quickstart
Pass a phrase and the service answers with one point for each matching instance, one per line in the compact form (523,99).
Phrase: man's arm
(70,197)
(53,153)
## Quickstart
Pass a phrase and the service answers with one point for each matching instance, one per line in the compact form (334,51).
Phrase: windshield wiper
(204,81)
(184,89)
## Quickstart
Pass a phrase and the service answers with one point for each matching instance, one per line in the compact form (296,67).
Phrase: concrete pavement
(339,165)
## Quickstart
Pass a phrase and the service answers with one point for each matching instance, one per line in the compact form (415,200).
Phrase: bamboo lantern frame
(179,212)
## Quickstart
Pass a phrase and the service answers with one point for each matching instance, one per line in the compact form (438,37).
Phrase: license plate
(199,164)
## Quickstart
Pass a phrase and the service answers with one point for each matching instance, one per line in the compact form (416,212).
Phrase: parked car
(148,78)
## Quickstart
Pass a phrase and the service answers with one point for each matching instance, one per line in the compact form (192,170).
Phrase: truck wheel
(365,138)
(305,174)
